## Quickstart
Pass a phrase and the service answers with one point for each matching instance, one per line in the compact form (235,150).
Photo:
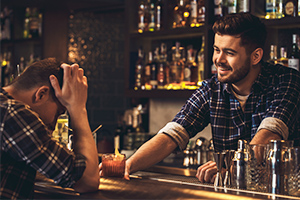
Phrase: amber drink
(113,165)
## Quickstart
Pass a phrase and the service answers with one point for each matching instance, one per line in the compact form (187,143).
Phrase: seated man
(248,99)
(29,108)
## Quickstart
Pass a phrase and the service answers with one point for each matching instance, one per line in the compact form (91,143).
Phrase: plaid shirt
(27,147)
(275,93)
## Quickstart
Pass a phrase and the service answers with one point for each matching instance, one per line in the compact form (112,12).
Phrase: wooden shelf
(159,93)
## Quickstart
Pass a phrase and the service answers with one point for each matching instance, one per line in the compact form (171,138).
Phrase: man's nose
(221,58)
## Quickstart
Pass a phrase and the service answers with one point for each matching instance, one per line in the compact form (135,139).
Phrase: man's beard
(238,75)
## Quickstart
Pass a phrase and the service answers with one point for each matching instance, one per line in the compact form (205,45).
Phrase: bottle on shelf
(158,15)
(201,13)
(273,54)
(153,78)
(26,23)
(6,23)
(200,62)
(283,60)
(119,134)
(176,67)
(279,9)
(151,16)
(138,70)
(218,9)
(180,15)
(293,60)
(270,9)
(193,13)
(290,8)
(34,23)
(147,72)
(142,24)
(299,8)
(244,5)
(232,6)
(163,71)
(129,133)
(191,68)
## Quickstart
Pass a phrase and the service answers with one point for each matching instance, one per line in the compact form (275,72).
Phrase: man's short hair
(244,25)
(38,73)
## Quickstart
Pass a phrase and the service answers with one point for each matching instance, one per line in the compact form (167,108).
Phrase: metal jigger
(228,160)
(219,159)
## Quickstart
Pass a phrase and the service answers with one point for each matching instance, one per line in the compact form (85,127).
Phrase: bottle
(152,16)
(147,72)
(176,66)
(34,23)
(244,6)
(142,23)
(279,9)
(191,68)
(283,60)
(163,72)
(273,54)
(61,132)
(119,135)
(290,8)
(153,78)
(299,8)
(128,138)
(293,61)
(201,13)
(179,18)
(218,10)
(201,63)
(158,14)
(270,9)
(26,23)
(193,13)
(138,70)
(232,6)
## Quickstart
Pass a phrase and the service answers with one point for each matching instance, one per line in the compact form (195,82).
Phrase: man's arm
(73,96)
(263,136)
(150,153)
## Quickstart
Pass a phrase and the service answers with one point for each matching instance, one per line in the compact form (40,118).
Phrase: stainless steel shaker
(239,165)
(277,165)
(201,151)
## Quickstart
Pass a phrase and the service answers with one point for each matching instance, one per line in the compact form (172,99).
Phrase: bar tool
(228,161)
(277,166)
(210,151)
(219,159)
(201,151)
(239,164)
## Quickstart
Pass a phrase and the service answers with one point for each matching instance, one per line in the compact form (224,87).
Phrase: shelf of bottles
(168,39)
(21,31)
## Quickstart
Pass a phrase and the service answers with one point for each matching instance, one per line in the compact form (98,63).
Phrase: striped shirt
(27,147)
(275,97)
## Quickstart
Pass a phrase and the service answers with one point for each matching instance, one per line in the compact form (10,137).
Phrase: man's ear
(256,56)
(41,94)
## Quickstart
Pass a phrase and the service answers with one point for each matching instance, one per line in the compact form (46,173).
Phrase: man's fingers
(55,85)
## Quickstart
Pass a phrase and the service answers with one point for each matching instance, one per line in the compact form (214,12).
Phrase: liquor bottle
(34,23)
(273,54)
(179,12)
(290,8)
(119,134)
(142,22)
(151,17)
(218,9)
(26,23)
(279,9)
(270,9)
(232,6)
(129,133)
(193,13)
(176,66)
(294,57)
(191,68)
(200,58)
(244,5)
(158,14)
(153,78)
(163,72)
(299,8)
(201,13)
(138,70)
(283,60)
(147,72)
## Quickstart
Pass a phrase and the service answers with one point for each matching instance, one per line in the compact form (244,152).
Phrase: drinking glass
(113,165)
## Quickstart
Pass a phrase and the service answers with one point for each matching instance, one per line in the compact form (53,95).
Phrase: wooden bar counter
(151,185)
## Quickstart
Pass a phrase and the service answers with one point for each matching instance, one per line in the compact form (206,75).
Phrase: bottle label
(294,63)
(218,2)
(289,8)
(218,11)
(270,7)
(193,9)
(244,6)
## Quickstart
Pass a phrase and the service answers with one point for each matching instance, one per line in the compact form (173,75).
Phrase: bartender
(247,99)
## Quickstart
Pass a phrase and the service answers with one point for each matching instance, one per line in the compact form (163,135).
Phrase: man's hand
(73,94)
(206,173)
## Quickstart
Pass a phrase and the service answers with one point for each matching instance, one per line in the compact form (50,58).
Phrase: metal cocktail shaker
(239,164)
(277,165)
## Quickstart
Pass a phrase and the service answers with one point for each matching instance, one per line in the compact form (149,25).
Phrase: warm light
(186,14)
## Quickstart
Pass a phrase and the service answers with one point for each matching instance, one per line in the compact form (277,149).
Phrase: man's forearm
(263,136)
(150,153)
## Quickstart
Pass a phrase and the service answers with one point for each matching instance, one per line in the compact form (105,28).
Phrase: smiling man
(29,108)
(247,99)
